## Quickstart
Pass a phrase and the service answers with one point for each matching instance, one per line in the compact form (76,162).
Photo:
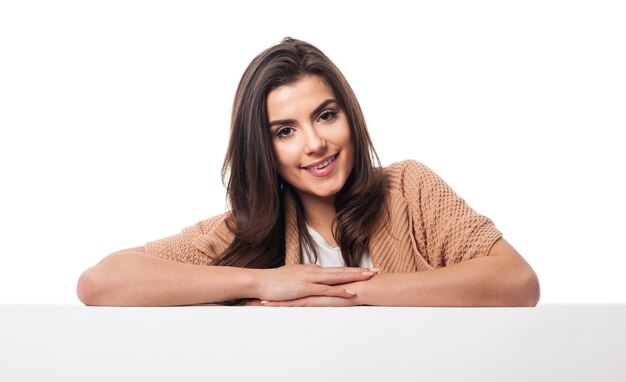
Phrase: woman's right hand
(295,281)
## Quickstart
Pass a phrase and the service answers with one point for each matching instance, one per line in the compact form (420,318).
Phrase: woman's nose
(314,142)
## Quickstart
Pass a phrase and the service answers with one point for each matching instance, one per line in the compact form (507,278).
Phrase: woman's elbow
(526,291)
(103,284)
(533,289)
(95,286)
(88,287)
(517,280)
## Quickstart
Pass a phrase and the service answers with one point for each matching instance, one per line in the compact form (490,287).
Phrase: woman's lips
(322,171)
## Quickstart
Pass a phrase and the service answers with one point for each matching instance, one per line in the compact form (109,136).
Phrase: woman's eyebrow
(321,107)
(282,122)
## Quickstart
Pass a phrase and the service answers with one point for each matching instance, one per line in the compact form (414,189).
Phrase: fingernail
(374,269)
(350,292)
(367,273)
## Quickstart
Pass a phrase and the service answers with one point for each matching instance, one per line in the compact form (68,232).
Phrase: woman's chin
(320,193)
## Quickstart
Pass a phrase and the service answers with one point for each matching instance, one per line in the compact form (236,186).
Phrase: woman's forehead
(301,96)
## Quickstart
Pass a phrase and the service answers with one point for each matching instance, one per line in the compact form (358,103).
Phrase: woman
(313,213)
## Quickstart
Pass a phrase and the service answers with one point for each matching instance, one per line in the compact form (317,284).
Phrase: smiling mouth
(323,164)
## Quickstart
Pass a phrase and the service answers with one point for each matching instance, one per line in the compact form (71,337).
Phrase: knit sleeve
(447,229)
(197,244)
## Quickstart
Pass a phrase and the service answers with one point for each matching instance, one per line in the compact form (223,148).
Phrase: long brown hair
(254,187)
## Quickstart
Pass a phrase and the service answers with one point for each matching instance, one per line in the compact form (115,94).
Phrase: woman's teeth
(322,165)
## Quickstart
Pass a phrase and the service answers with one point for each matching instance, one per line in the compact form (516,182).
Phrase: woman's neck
(319,214)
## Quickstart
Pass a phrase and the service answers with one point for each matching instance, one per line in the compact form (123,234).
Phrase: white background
(114,119)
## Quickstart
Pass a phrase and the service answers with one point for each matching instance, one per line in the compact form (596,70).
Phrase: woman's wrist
(360,288)
(254,282)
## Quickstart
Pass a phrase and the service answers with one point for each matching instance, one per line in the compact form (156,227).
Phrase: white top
(330,256)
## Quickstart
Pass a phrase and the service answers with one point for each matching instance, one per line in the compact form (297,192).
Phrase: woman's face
(311,137)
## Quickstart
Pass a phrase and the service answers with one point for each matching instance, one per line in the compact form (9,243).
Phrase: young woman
(315,220)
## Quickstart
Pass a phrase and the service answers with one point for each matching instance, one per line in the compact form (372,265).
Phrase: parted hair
(256,191)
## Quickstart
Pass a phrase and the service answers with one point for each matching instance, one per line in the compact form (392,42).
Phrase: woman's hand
(313,301)
(307,301)
(296,282)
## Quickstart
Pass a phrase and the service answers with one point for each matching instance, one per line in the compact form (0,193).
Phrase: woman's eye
(284,132)
(328,115)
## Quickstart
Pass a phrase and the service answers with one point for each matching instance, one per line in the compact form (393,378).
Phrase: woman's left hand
(316,300)
(307,301)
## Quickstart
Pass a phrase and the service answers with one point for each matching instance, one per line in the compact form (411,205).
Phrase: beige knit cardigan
(429,227)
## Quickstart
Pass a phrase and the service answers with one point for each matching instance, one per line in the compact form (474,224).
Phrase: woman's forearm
(133,278)
(501,279)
